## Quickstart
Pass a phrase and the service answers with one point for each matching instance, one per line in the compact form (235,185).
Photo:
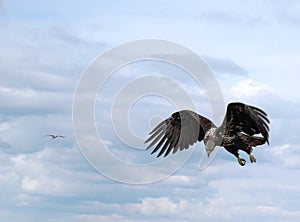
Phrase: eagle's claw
(252,158)
(241,161)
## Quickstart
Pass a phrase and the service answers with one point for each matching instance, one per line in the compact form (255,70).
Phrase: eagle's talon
(252,158)
(241,161)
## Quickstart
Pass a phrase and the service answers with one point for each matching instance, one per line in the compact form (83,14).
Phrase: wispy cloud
(46,47)
(225,66)
(250,88)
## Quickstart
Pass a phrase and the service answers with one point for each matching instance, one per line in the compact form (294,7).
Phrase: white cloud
(28,101)
(225,66)
(180,180)
(280,71)
(27,200)
(165,209)
(250,88)
(96,218)
(286,154)
(45,49)
(30,184)
(26,133)
(223,190)
(53,172)
(161,206)
(4,126)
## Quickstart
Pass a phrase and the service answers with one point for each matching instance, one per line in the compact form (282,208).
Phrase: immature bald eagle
(186,127)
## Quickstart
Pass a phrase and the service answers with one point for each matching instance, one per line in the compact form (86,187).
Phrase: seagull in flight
(55,136)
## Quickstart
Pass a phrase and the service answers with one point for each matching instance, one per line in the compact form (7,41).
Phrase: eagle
(244,126)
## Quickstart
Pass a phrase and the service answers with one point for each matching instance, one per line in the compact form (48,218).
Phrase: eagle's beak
(208,153)
(209,147)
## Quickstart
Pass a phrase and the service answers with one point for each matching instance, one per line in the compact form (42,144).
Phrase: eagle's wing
(179,131)
(248,119)
(61,136)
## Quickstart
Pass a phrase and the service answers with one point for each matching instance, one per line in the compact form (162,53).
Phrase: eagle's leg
(251,141)
(234,151)
(249,150)
(252,158)
(241,161)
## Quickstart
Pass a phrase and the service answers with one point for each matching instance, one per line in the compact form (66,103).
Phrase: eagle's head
(210,140)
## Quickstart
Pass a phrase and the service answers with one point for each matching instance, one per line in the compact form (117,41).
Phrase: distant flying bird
(185,127)
(55,136)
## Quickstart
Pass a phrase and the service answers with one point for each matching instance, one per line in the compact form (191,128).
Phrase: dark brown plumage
(185,127)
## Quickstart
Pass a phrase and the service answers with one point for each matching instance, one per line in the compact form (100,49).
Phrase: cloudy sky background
(253,50)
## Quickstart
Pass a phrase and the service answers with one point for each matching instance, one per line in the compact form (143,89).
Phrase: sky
(252,48)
